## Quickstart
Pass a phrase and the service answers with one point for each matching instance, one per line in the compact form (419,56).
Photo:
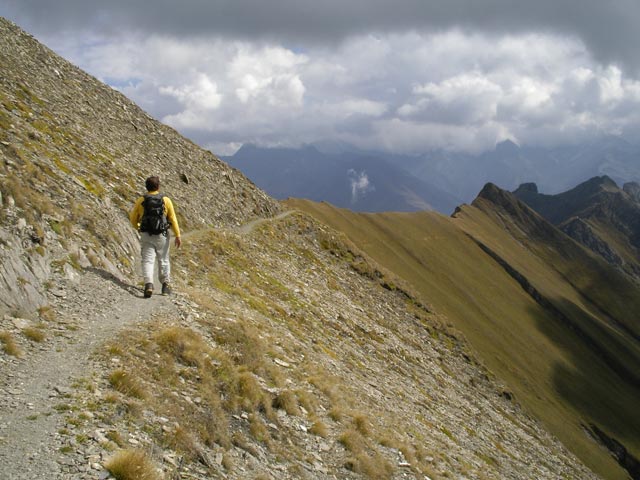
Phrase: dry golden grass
(9,345)
(352,440)
(34,334)
(244,342)
(250,394)
(336,414)
(183,344)
(361,424)
(47,313)
(127,384)
(287,401)
(182,441)
(374,466)
(259,429)
(319,428)
(132,465)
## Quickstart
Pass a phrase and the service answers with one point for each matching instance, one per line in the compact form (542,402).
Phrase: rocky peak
(526,188)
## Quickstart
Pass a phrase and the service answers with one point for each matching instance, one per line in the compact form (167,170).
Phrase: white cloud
(202,94)
(267,74)
(360,184)
(402,92)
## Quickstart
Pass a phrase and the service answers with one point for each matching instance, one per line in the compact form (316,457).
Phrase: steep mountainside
(555,321)
(356,181)
(285,353)
(75,154)
(597,214)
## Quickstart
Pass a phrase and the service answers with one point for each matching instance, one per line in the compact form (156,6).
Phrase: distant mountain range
(598,214)
(438,180)
(361,182)
(554,170)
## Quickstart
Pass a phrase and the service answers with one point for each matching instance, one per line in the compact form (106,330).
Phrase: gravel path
(33,389)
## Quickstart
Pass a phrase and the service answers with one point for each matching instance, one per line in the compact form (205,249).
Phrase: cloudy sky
(394,75)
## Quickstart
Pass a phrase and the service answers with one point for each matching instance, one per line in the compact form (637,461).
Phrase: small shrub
(131,465)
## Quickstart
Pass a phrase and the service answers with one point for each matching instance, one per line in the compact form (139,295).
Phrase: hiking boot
(148,290)
(166,288)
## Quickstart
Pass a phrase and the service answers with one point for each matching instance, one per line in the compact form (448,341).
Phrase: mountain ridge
(599,215)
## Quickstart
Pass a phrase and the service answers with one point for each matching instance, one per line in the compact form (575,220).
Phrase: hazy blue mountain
(554,170)
(355,180)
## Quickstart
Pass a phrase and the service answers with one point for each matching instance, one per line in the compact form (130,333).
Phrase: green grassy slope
(565,347)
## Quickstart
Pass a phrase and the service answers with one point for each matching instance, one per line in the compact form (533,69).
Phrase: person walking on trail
(153,215)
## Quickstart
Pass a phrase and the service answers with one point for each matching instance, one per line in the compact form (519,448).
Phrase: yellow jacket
(138,210)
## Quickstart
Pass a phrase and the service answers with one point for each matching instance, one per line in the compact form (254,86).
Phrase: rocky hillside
(548,316)
(286,352)
(74,155)
(598,214)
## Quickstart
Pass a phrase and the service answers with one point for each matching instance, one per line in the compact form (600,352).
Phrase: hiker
(152,215)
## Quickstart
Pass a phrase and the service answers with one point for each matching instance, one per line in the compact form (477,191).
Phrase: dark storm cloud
(609,29)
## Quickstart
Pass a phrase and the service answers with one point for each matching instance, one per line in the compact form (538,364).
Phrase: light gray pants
(154,247)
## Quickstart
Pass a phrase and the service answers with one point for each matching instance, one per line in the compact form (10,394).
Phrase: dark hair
(152,184)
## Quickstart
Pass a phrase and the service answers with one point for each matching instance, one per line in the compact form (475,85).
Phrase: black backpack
(154,221)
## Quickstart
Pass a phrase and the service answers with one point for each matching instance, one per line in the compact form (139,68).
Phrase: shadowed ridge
(496,202)
(599,215)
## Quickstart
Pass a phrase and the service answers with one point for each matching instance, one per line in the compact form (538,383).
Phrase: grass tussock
(373,466)
(34,334)
(246,347)
(287,401)
(183,344)
(364,459)
(47,313)
(127,384)
(319,428)
(183,442)
(362,425)
(9,345)
(132,465)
